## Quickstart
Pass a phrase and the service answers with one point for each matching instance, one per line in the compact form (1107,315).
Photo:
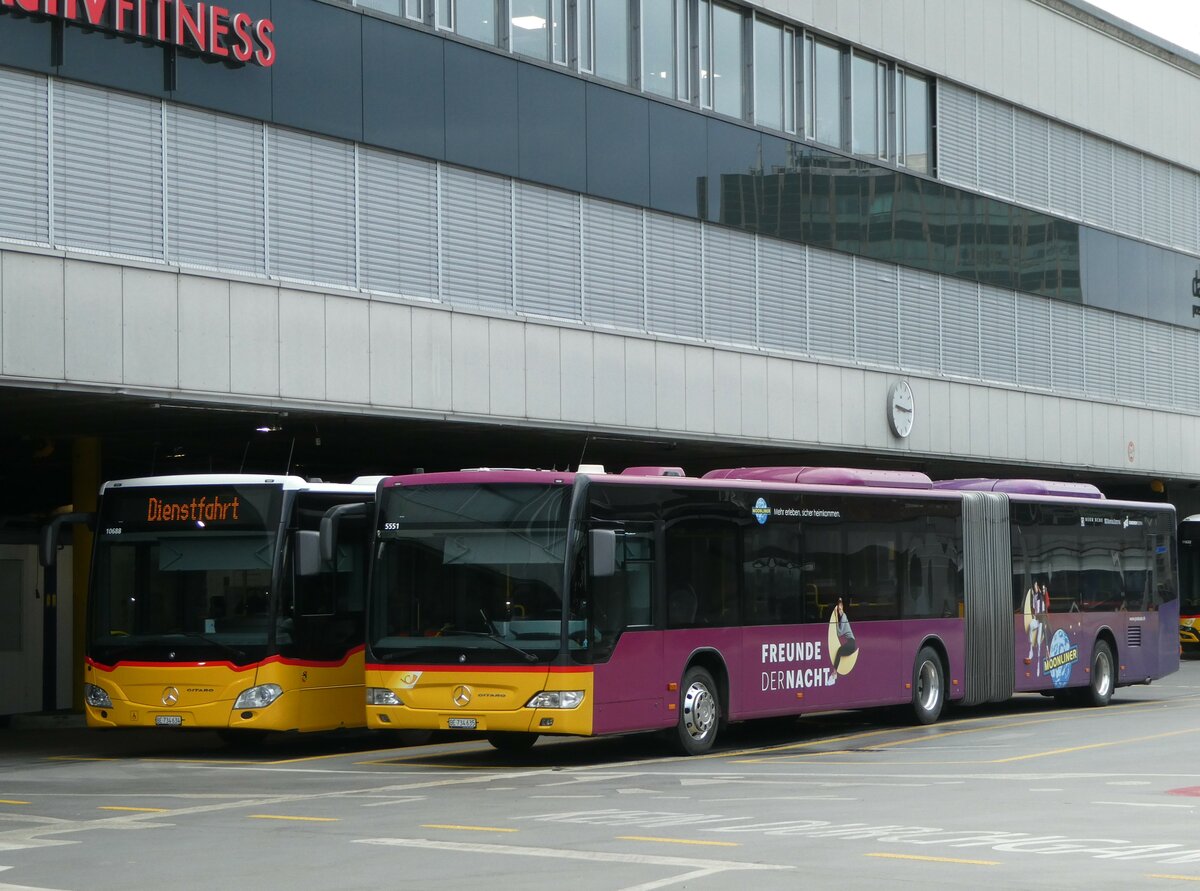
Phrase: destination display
(244,508)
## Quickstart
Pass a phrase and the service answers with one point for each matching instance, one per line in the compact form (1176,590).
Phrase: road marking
(1189,807)
(1173,878)
(678,841)
(936,859)
(6,887)
(1098,745)
(139,810)
(467,828)
(12,801)
(297,819)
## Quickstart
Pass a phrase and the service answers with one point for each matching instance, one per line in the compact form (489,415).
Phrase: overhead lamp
(529,22)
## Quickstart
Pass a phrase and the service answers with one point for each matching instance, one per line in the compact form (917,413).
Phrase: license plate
(168,720)
(462,723)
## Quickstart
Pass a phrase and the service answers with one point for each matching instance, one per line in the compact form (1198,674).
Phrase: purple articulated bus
(519,602)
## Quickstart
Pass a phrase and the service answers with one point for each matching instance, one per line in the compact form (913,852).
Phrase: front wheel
(1100,689)
(928,686)
(512,741)
(699,712)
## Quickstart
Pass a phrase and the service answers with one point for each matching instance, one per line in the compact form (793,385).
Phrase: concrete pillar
(85,492)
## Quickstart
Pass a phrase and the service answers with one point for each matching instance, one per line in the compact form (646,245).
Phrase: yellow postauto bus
(211,605)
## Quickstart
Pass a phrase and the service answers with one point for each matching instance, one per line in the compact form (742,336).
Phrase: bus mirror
(308,552)
(329,527)
(603,549)
(48,548)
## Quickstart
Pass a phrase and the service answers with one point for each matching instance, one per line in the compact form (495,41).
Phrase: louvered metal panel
(730,297)
(311,200)
(673,280)
(783,296)
(1131,359)
(1127,187)
(996,152)
(920,321)
(205,228)
(1097,176)
(1185,361)
(397,222)
(987,580)
(1101,334)
(1159,377)
(1067,368)
(960,328)
(1156,200)
(1032,150)
(1185,220)
(957,135)
(614,265)
(830,304)
(876,306)
(24,145)
(1034,340)
(476,233)
(548,253)
(1066,188)
(998,323)
(108,185)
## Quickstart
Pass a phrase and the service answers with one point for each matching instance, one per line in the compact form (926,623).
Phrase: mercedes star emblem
(461,696)
(170,696)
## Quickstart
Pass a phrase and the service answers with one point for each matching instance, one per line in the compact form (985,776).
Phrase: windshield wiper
(234,651)
(525,654)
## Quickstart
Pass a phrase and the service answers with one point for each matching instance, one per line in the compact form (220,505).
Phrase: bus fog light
(382,696)
(556,699)
(96,697)
(259,697)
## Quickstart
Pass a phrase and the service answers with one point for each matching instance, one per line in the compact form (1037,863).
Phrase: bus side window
(625,598)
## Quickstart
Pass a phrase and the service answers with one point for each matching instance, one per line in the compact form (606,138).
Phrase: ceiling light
(529,22)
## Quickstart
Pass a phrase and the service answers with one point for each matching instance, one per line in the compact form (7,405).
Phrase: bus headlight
(556,699)
(96,697)
(382,696)
(259,697)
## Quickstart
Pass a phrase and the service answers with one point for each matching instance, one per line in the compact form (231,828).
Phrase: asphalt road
(1026,795)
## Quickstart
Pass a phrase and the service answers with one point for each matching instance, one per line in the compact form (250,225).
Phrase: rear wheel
(1100,689)
(512,742)
(928,686)
(699,712)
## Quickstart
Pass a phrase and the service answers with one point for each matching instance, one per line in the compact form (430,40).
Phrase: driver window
(624,599)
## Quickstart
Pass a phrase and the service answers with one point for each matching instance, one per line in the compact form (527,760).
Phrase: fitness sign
(209,29)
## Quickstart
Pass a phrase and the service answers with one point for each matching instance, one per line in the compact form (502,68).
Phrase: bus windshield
(469,572)
(1189,567)
(185,574)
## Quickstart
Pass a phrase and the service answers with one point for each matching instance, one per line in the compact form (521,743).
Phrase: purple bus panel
(826,476)
(1043,488)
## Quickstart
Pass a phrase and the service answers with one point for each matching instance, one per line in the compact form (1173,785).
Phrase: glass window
(727,60)
(388,6)
(867,98)
(444,14)
(683,52)
(584,52)
(558,30)
(768,74)
(476,19)
(529,34)
(611,28)
(704,573)
(826,91)
(658,51)
(413,10)
(704,32)
(914,122)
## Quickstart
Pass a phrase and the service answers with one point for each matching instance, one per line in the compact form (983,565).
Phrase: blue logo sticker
(1063,654)
(761,511)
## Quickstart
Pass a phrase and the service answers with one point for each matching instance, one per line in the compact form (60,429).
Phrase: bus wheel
(512,742)
(699,712)
(1100,690)
(928,687)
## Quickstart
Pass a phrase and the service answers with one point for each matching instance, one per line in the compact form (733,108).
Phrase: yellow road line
(936,859)
(679,841)
(1173,878)
(11,801)
(140,810)
(1099,745)
(467,828)
(77,758)
(298,819)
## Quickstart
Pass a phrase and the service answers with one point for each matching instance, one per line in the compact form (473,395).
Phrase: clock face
(900,409)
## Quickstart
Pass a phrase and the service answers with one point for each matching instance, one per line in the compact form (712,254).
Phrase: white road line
(7,887)
(674,880)
(1145,804)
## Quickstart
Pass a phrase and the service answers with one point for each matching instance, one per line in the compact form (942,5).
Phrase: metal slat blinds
(1127,190)
(24,138)
(1066,146)
(1097,178)
(920,321)
(1156,199)
(830,304)
(1185,367)
(1185,221)
(960,328)
(1131,359)
(397,220)
(476,239)
(614,265)
(203,229)
(1159,384)
(1032,152)
(877,306)
(311,191)
(998,324)
(782,296)
(1034,342)
(730,313)
(108,185)
(673,280)
(996,150)
(1069,354)
(1099,348)
(547,253)
(957,135)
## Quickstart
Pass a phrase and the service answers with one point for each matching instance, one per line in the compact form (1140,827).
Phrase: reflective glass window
(476,19)
(658,52)
(389,6)
(683,52)
(444,14)
(558,30)
(703,35)
(914,126)
(584,18)
(611,22)
(768,74)
(865,99)
(727,60)
(827,93)
(530,27)
(413,10)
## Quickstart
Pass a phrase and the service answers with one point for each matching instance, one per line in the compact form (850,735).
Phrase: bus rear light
(382,696)
(259,697)
(556,699)
(96,697)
